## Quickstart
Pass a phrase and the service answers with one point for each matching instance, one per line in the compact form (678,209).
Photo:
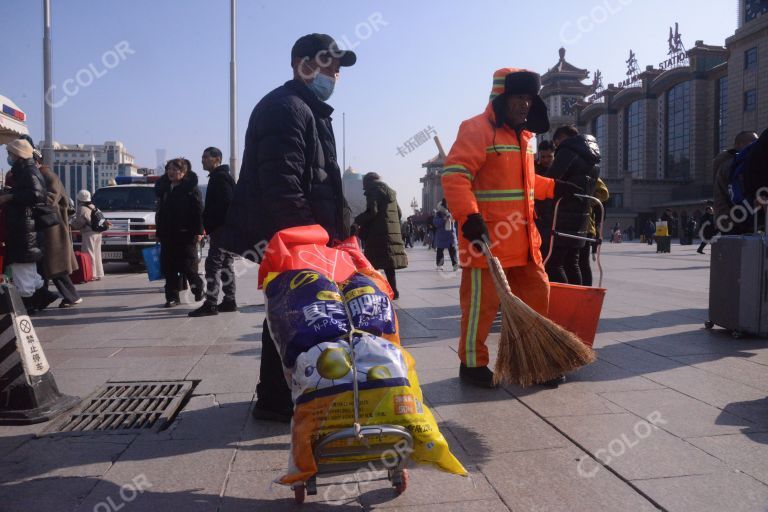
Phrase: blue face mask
(10,161)
(322,85)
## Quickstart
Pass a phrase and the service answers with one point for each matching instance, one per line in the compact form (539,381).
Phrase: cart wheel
(737,334)
(402,485)
(299,493)
(709,324)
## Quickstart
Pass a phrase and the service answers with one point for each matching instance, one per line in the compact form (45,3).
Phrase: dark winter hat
(312,45)
(508,81)
(522,82)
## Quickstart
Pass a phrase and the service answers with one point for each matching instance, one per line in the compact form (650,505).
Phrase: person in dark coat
(577,161)
(22,250)
(650,231)
(219,264)
(379,228)
(59,259)
(707,231)
(290,177)
(179,221)
(408,233)
(445,236)
(544,159)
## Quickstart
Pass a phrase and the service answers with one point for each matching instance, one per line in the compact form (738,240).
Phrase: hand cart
(375,447)
(574,307)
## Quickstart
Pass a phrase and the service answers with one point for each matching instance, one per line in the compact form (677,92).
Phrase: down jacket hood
(380,188)
(585,146)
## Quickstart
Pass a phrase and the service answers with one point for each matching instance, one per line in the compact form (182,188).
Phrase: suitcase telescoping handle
(597,240)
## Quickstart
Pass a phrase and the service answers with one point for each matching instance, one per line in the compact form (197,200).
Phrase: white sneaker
(440,268)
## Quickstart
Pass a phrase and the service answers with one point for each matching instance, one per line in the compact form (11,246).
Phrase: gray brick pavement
(533,449)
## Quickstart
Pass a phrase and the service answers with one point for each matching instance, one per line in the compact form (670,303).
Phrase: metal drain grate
(129,406)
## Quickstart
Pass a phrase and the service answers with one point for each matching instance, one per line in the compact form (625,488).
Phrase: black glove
(565,189)
(474,228)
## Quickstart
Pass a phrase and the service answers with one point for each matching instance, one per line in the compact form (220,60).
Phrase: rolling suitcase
(738,285)
(85,271)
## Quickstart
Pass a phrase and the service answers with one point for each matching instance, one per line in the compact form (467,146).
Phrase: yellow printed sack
(389,393)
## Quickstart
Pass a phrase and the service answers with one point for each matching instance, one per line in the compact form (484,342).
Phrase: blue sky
(420,64)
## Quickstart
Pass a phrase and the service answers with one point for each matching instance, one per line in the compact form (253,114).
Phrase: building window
(598,131)
(79,177)
(750,58)
(634,137)
(61,172)
(616,200)
(722,113)
(750,100)
(678,155)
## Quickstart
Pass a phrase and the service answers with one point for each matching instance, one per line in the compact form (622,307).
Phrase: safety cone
(28,391)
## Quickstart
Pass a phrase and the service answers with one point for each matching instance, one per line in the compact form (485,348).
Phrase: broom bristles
(532,348)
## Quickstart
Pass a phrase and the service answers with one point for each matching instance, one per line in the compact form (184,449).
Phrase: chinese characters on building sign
(633,70)
(597,87)
(677,54)
(416,141)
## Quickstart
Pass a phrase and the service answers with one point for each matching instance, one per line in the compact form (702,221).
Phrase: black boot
(43,298)
(479,376)
(227,306)
(268,413)
(554,383)
(29,304)
(207,309)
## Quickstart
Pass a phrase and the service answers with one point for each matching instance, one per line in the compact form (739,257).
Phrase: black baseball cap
(313,44)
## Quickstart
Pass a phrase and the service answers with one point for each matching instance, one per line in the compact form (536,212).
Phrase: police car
(130,208)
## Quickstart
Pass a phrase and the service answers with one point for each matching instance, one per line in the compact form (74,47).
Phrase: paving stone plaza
(676,415)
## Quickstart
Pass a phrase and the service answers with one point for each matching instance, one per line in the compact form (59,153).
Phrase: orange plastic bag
(306,247)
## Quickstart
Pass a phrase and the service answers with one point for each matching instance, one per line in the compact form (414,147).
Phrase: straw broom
(532,348)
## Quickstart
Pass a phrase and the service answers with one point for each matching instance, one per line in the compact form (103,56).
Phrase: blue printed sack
(304,308)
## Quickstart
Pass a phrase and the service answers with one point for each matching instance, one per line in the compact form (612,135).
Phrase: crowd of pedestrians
(290,177)
(36,241)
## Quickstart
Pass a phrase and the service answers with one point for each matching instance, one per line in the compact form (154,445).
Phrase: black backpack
(98,220)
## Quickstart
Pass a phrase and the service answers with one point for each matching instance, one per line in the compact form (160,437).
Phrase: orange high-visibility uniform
(490,171)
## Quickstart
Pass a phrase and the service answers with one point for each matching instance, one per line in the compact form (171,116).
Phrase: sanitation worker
(491,182)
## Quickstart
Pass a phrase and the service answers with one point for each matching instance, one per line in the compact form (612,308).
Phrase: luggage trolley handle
(598,238)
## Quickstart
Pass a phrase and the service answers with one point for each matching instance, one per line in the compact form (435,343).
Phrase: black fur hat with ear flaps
(524,82)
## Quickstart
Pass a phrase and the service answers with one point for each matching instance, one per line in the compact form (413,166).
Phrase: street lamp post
(93,172)
(233,92)
(47,86)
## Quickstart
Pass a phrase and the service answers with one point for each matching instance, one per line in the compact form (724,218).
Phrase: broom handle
(497,272)
(500,279)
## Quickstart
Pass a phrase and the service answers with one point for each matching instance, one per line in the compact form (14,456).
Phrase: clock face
(754,8)
(566,106)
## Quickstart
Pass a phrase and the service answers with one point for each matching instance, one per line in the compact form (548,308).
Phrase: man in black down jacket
(22,251)
(289,177)
(576,160)
(219,265)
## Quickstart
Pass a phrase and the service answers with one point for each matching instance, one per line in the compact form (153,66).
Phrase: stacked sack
(313,321)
